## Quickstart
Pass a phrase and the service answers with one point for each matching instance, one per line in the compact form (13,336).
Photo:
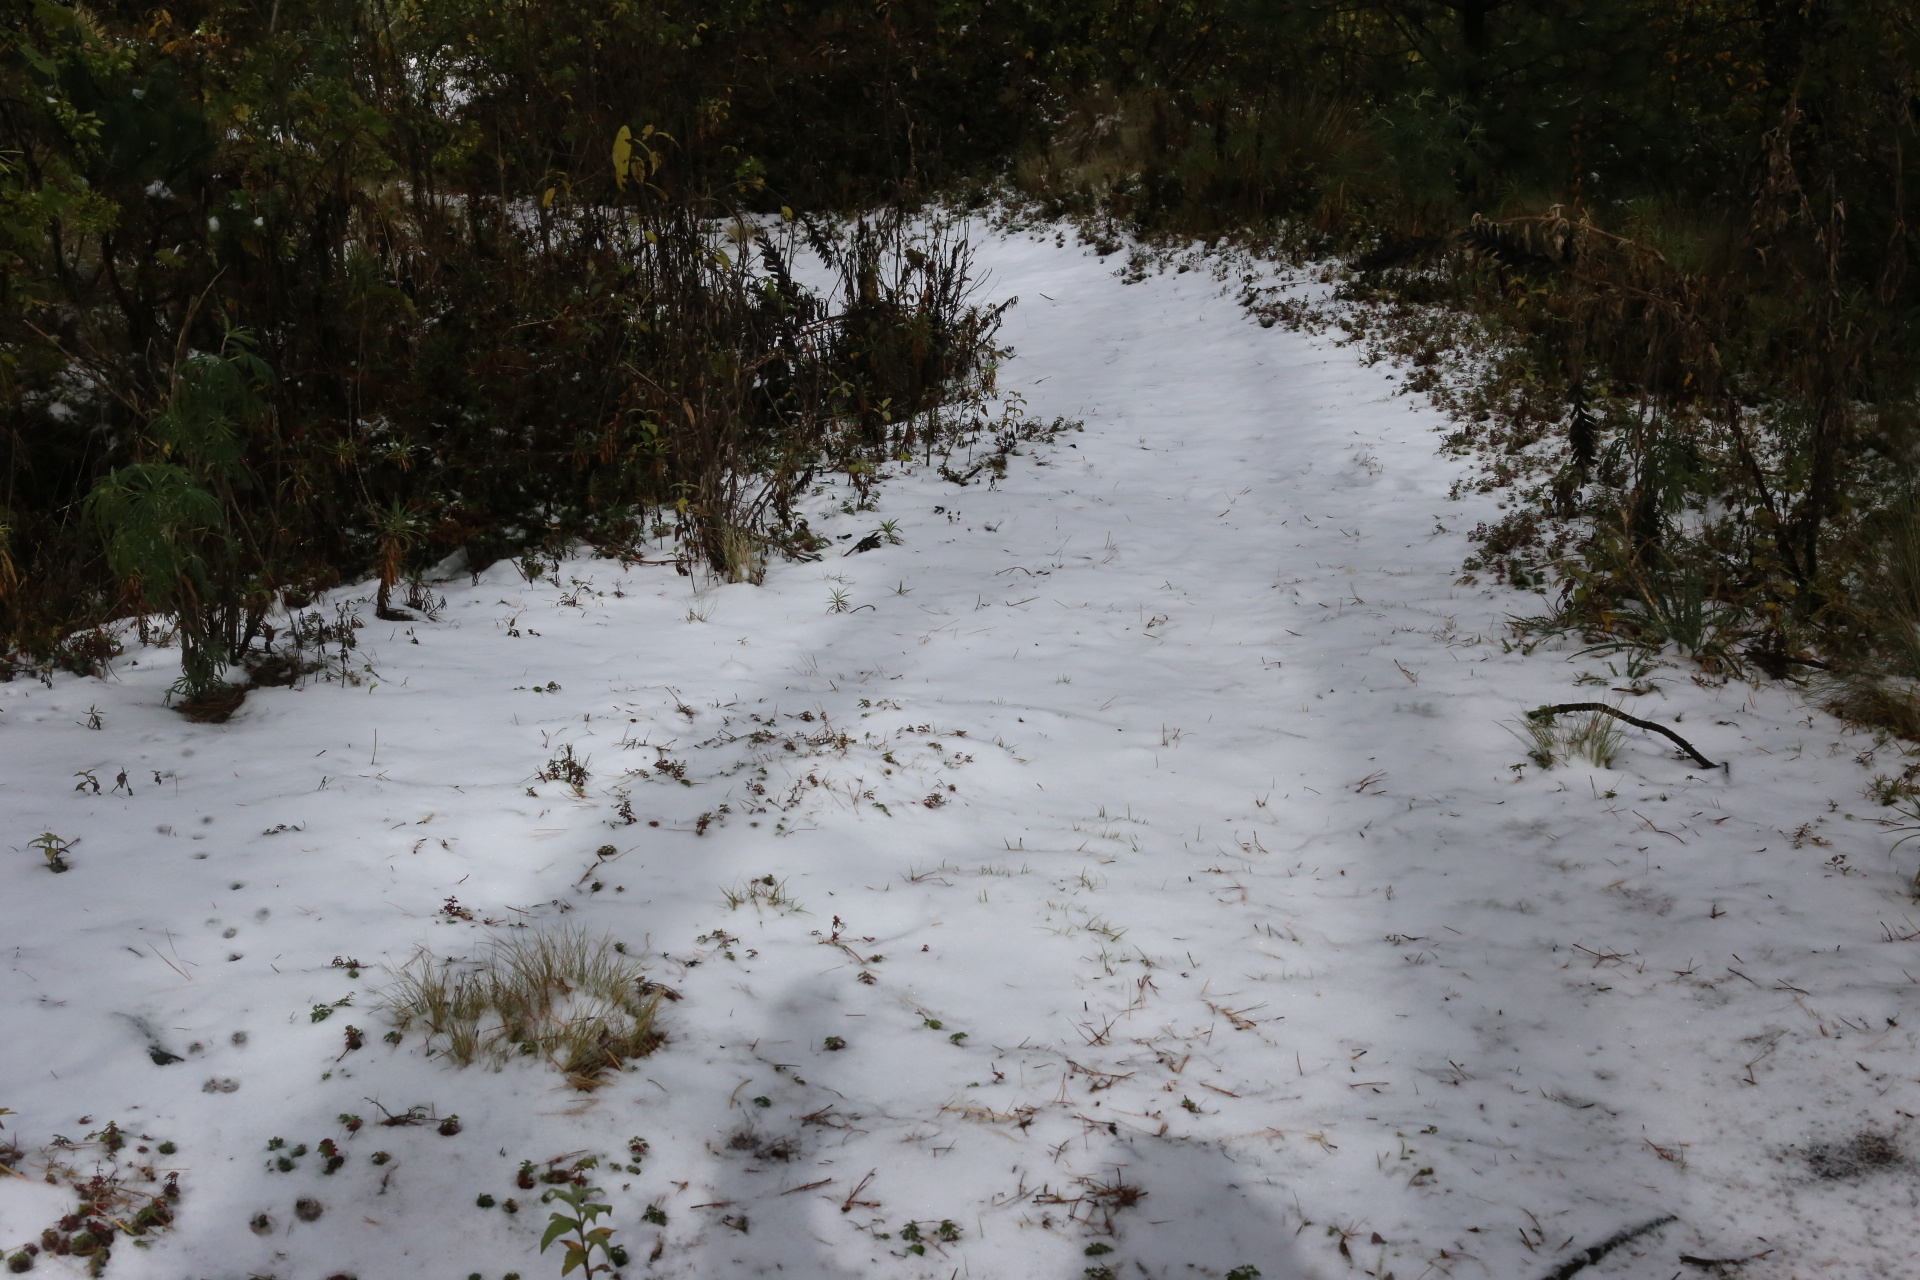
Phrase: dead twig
(1542,714)
(1586,1257)
(853,1195)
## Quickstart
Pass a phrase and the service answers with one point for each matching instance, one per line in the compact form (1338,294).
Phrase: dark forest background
(293,291)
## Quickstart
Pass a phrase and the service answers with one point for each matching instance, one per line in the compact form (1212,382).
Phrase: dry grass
(577,1002)
(762,893)
(1595,737)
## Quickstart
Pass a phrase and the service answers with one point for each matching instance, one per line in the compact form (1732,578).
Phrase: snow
(1171,775)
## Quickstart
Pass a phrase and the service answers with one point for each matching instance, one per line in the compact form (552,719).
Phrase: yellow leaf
(546,201)
(622,156)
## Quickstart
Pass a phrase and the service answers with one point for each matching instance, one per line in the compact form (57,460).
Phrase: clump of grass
(1595,737)
(575,1001)
(761,892)
(1542,740)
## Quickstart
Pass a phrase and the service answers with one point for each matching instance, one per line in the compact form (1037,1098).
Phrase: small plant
(1596,738)
(321,1012)
(56,849)
(1542,741)
(1244,1273)
(586,1239)
(833,1043)
(763,891)
(568,768)
(562,996)
(655,1214)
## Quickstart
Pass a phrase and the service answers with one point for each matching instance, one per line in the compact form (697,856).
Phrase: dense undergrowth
(1652,256)
(294,293)
(312,289)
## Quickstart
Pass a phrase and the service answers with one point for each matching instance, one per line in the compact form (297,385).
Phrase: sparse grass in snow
(577,1002)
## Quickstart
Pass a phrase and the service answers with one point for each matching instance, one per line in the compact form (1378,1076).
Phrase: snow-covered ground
(1147,827)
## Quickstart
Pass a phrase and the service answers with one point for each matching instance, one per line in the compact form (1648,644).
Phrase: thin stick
(850,1202)
(1548,712)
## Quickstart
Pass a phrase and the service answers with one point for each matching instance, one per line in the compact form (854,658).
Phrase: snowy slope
(1171,776)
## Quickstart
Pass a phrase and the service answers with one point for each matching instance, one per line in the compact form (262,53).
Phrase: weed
(586,1240)
(55,848)
(834,1042)
(561,996)
(1595,738)
(568,768)
(762,892)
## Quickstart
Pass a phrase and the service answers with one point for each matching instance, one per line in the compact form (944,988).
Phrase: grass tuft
(561,996)
(1595,737)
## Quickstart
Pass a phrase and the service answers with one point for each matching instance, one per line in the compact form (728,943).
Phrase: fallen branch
(1586,1257)
(1549,712)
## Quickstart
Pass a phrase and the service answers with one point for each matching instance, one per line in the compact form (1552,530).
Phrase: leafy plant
(55,848)
(586,1239)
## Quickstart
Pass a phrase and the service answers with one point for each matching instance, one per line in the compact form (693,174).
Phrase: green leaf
(53,15)
(558,1226)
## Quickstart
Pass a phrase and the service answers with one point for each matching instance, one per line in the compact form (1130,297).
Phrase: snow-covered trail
(1146,822)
